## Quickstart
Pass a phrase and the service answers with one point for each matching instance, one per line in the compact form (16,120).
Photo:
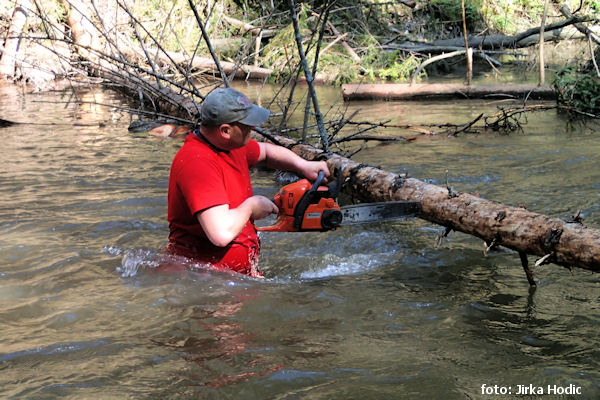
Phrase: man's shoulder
(249,148)
(193,154)
(195,148)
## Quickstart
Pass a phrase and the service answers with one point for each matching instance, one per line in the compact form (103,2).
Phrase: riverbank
(377,49)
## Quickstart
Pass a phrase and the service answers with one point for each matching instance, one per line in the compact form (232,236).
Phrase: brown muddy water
(369,312)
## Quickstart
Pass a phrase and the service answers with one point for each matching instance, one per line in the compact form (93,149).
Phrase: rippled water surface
(368,312)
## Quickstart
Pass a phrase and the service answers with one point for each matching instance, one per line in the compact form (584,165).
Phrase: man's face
(240,134)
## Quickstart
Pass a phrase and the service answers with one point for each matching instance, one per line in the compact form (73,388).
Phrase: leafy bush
(578,89)
(450,12)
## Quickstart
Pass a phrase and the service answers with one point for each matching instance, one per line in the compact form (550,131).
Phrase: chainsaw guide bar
(379,212)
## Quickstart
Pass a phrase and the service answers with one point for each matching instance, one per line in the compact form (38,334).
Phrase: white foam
(352,265)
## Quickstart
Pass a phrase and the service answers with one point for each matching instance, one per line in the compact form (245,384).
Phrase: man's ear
(225,131)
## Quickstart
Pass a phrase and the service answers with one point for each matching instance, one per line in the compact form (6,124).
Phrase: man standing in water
(211,207)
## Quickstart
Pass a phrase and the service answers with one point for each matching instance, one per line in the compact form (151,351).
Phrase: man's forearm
(222,224)
(278,157)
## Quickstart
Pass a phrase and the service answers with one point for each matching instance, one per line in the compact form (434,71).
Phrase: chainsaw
(313,207)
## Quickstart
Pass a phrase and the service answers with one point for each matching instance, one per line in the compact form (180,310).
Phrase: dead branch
(368,138)
(564,9)
(309,77)
(508,119)
(207,40)
(249,28)
(346,46)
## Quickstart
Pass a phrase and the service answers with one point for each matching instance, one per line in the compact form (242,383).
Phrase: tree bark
(13,39)
(401,91)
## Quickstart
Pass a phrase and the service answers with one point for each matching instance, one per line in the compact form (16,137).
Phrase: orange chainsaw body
(305,207)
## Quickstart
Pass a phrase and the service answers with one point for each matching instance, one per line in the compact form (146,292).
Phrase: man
(211,207)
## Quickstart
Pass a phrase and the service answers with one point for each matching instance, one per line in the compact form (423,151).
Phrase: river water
(371,312)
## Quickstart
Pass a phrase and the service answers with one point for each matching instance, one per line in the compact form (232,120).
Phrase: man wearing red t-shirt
(211,207)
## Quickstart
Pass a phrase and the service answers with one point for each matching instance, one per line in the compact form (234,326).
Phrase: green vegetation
(512,16)
(579,89)
(397,71)
(449,12)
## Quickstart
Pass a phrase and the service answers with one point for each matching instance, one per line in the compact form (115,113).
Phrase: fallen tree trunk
(402,91)
(569,244)
(208,64)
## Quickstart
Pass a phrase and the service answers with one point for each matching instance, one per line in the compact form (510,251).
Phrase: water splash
(134,259)
(355,264)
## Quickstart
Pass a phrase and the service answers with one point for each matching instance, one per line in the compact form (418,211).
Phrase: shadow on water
(369,312)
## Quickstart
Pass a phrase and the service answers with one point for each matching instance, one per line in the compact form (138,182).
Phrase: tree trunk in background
(13,39)
(542,66)
(208,64)
(469,51)
(84,32)
(403,91)
(527,38)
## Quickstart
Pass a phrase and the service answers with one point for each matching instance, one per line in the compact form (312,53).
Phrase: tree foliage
(579,89)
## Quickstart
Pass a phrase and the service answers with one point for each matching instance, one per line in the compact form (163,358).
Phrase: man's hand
(262,207)
(310,169)
(222,224)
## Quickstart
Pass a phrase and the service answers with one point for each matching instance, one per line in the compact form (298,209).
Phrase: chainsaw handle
(318,181)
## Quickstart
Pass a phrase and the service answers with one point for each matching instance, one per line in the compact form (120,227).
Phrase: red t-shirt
(201,177)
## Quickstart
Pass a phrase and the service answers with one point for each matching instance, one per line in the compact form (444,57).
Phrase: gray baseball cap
(226,105)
